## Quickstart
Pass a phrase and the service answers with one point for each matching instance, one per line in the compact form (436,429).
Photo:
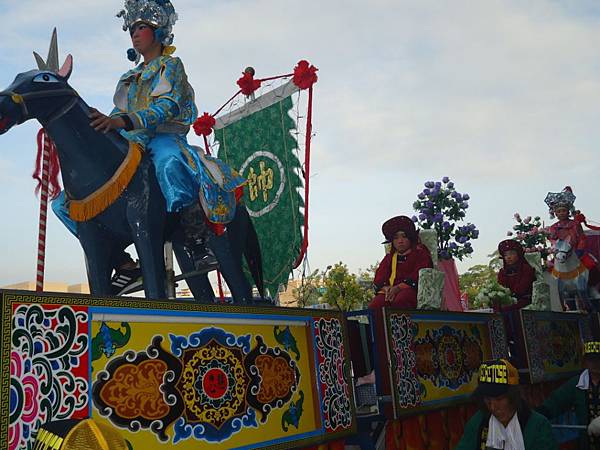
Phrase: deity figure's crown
(565,198)
(158,13)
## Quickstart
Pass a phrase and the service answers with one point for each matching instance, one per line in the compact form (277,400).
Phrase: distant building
(51,286)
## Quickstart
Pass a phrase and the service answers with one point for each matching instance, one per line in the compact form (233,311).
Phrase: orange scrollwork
(134,390)
(278,378)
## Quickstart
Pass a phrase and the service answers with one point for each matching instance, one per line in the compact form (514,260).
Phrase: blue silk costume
(159,101)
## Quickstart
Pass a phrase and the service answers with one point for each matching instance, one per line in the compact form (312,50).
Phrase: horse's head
(562,250)
(39,94)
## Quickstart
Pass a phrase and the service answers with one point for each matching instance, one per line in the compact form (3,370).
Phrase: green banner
(258,143)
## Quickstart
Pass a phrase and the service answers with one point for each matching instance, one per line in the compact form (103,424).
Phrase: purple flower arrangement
(441,207)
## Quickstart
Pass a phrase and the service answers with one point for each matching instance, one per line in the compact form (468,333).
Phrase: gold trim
(95,203)
(569,275)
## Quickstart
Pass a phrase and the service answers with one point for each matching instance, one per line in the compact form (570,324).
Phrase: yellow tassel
(394,263)
(98,201)
(168,50)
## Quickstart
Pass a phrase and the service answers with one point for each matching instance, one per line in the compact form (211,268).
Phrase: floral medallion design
(210,385)
(333,374)
(448,357)
(48,369)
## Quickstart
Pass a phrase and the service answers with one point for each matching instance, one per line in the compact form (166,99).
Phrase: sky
(501,96)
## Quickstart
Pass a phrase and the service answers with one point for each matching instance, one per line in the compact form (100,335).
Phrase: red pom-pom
(247,83)
(203,126)
(579,218)
(305,75)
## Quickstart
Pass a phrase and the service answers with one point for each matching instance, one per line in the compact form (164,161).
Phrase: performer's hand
(101,122)
(391,293)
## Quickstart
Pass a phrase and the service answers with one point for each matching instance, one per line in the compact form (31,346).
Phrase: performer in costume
(504,421)
(581,392)
(397,276)
(154,107)
(561,205)
(517,275)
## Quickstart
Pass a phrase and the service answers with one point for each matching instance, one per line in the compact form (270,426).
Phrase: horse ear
(67,67)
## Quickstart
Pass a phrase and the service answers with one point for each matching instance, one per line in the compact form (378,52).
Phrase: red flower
(247,83)
(305,75)
(203,126)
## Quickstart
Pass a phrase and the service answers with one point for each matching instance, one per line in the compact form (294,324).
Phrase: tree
(479,276)
(343,290)
(473,280)
(309,291)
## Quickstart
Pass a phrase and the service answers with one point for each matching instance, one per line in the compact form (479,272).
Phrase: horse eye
(45,78)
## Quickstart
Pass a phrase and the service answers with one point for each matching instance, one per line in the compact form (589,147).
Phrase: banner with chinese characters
(256,140)
(435,356)
(166,374)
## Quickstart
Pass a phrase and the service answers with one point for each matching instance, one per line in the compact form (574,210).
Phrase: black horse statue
(89,161)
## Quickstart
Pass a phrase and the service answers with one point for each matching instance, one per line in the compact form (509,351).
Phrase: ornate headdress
(160,14)
(566,199)
(399,223)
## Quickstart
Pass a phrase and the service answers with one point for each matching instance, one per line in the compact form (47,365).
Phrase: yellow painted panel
(141,337)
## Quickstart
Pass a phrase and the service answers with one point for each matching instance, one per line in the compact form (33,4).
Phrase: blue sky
(502,96)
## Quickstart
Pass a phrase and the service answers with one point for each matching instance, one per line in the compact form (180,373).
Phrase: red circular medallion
(215,383)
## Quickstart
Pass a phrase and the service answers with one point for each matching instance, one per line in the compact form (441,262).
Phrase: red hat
(399,223)
(510,244)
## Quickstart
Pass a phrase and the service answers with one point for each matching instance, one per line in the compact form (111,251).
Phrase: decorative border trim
(141,306)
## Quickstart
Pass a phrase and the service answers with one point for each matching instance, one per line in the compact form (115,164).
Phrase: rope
(308,136)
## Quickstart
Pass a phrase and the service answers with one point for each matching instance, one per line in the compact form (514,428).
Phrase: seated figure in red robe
(397,277)
(516,275)
(396,281)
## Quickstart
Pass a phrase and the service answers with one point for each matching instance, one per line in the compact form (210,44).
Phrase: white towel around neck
(506,438)
(584,380)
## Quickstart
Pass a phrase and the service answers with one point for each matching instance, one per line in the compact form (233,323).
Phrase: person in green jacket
(581,393)
(504,421)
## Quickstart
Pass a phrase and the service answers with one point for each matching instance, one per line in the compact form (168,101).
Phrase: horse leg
(582,290)
(562,294)
(199,285)
(148,240)
(243,240)
(98,249)
(231,268)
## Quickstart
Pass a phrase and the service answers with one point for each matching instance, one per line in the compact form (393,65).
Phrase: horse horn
(51,62)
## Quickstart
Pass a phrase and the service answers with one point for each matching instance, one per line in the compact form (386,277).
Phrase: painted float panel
(174,373)
(435,356)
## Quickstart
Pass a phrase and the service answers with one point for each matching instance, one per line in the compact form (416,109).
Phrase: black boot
(196,233)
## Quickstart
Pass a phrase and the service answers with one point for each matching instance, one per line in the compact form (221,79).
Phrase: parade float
(179,373)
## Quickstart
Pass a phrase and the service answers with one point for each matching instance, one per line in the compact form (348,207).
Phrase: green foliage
(473,280)
(343,290)
(309,291)
(481,277)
